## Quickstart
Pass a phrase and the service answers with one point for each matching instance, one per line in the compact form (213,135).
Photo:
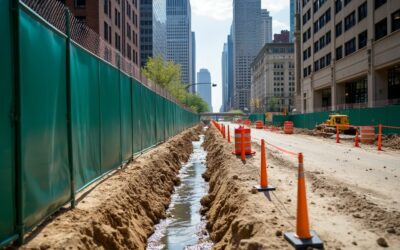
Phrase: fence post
(69,118)
(380,137)
(19,180)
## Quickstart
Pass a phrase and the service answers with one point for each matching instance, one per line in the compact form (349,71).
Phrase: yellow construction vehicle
(342,121)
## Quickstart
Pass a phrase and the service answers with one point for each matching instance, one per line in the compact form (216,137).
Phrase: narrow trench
(184,227)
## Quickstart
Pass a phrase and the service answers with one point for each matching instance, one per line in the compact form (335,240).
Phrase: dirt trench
(241,218)
(121,212)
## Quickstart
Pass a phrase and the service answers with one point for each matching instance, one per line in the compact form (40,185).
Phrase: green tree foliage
(168,75)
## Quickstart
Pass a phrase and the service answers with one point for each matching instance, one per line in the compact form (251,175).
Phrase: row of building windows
(323,62)
(306,17)
(322,21)
(318,4)
(322,42)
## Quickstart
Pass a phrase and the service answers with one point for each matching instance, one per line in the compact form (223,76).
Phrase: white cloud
(277,26)
(215,9)
(275,5)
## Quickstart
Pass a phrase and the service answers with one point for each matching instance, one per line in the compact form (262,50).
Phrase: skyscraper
(204,90)
(193,61)
(292,15)
(266,27)
(153,29)
(230,71)
(246,43)
(179,37)
(225,86)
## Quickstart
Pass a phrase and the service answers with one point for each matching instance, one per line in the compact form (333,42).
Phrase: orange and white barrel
(367,134)
(288,127)
(259,125)
(238,140)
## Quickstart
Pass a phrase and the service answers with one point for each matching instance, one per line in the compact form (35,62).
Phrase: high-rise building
(291,18)
(273,79)
(193,60)
(246,43)
(283,37)
(153,29)
(229,44)
(225,86)
(266,27)
(117,22)
(179,36)
(349,54)
(204,88)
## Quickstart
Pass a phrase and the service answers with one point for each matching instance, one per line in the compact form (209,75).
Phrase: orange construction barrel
(259,125)
(367,135)
(238,141)
(288,127)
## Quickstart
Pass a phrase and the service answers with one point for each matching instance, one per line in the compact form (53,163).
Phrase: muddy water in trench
(185,228)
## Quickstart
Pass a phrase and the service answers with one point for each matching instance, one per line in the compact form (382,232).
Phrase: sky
(211,20)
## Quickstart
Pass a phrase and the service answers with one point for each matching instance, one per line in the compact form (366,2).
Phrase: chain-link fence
(56,13)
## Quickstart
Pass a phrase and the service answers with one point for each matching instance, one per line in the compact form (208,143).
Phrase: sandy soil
(345,208)
(121,211)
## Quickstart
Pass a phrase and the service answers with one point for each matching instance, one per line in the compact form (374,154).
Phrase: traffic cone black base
(314,241)
(263,189)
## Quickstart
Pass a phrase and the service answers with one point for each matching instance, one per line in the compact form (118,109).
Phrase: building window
(106,7)
(328,38)
(338,6)
(350,46)
(316,65)
(394,82)
(339,29)
(350,21)
(316,47)
(362,39)
(396,21)
(105,31)
(379,3)
(339,53)
(306,16)
(346,2)
(381,29)
(328,59)
(356,92)
(362,11)
(80,3)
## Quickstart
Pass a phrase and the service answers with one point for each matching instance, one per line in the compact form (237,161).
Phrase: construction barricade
(288,127)
(259,125)
(243,141)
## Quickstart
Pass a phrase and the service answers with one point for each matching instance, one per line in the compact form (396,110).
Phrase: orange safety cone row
(303,238)
(264,177)
(380,138)
(356,140)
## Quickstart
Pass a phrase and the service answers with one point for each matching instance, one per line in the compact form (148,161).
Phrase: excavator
(329,126)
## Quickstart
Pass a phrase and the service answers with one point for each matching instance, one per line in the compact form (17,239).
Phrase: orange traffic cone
(303,238)
(356,140)
(229,136)
(264,177)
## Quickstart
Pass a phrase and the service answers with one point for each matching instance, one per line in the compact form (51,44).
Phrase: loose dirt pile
(391,141)
(121,212)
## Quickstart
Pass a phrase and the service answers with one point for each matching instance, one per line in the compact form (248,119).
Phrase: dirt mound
(235,221)
(121,212)
(391,141)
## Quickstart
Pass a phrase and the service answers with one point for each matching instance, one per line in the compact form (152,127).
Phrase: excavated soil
(121,212)
(239,217)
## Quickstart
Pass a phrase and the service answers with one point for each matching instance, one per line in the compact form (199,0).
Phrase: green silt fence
(67,117)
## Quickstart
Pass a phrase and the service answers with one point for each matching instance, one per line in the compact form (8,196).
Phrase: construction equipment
(339,121)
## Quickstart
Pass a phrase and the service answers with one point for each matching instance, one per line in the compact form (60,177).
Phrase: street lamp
(200,83)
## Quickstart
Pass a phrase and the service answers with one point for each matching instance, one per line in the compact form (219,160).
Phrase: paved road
(366,169)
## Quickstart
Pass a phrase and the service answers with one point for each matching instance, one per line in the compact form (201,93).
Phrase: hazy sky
(211,20)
